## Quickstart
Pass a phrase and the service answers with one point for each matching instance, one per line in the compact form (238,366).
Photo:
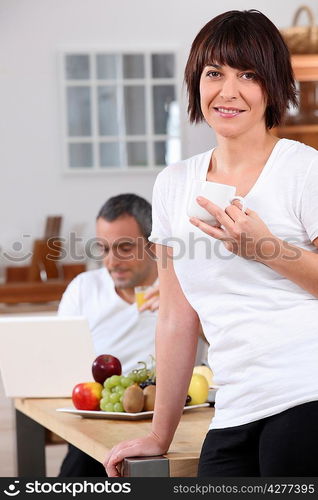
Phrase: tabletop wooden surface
(97,436)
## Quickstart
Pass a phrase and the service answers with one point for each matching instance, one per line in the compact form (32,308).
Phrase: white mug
(220,194)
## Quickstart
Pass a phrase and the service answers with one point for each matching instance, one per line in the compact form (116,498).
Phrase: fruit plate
(113,415)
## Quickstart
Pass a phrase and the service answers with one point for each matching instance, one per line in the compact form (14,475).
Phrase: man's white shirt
(117,328)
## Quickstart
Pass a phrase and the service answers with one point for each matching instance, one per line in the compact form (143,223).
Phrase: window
(121,111)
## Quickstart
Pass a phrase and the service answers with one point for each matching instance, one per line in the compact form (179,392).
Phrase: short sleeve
(309,201)
(69,304)
(161,226)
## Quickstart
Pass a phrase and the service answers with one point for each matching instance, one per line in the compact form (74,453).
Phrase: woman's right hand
(146,446)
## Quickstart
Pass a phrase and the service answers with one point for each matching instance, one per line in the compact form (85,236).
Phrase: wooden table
(96,437)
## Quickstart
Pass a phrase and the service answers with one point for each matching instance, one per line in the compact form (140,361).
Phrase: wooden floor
(54,453)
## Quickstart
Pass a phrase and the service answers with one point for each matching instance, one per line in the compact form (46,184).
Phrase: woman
(256,289)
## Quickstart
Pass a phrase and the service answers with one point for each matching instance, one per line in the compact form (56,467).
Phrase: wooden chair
(45,260)
(45,278)
(53,226)
(46,253)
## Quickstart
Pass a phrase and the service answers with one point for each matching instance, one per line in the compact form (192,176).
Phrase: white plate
(119,415)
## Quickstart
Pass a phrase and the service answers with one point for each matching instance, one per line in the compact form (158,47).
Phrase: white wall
(31,33)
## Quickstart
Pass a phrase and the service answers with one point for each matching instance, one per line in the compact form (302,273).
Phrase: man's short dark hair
(128,204)
(246,40)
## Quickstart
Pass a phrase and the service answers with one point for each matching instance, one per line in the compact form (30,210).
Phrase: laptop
(44,356)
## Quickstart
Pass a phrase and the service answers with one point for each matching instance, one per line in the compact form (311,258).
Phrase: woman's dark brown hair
(245,40)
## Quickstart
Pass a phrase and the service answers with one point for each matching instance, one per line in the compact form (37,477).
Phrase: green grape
(118,407)
(126,381)
(121,399)
(108,383)
(119,389)
(143,375)
(105,395)
(106,405)
(137,378)
(133,376)
(114,380)
(114,397)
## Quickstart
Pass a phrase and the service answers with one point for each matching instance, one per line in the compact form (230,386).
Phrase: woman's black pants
(285,444)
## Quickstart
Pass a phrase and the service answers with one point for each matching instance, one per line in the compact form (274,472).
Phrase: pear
(198,389)
(206,372)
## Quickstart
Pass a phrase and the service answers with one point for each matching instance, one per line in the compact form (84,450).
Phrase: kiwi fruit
(133,400)
(149,397)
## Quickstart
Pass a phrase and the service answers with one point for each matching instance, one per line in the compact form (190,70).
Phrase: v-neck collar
(119,298)
(262,175)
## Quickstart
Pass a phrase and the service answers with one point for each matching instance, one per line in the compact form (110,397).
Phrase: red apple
(105,366)
(87,396)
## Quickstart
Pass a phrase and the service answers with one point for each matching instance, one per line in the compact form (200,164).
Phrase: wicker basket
(302,39)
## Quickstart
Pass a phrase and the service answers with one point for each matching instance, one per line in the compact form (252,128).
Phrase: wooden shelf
(305,67)
(299,128)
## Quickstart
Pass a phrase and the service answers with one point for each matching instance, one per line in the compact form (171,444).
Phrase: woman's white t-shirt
(262,328)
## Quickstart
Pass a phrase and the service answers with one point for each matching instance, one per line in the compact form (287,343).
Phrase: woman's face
(232,100)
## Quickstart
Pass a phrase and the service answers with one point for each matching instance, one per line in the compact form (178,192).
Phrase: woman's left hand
(243,233)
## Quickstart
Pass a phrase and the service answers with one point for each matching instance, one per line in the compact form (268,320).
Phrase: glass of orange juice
(140,294)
